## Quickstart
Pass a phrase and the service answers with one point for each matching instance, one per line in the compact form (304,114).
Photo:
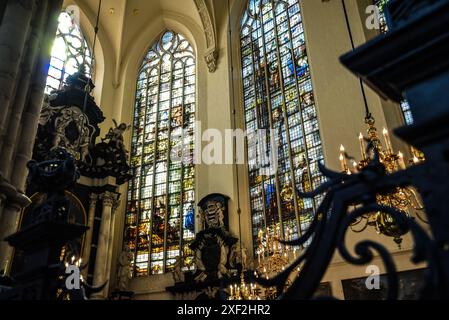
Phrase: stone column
(101,260)
(6,191)
(27,69)
(111,244)
(14,29)
(13,35)
(88,240)
(31,114)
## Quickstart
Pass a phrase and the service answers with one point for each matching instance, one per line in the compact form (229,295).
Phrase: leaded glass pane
(161,196)
(70,50)
(278,95)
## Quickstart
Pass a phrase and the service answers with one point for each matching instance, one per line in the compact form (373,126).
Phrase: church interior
(224,149)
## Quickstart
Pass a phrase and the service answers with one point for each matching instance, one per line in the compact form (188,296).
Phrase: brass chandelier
(405,199)
(272,258)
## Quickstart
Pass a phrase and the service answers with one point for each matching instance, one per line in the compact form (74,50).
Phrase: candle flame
(385,131)
(361,136)
(342,148)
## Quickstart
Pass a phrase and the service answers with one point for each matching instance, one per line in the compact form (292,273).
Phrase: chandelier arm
(363,228)
(418,215)
(419,205)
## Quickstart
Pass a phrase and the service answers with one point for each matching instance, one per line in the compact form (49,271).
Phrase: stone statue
(124,270)
(178,275)
(116,135)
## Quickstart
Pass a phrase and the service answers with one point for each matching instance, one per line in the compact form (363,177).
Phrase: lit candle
(401,160)
(355,165)
(387,140)
(362,146)
(342,163)
(415,160)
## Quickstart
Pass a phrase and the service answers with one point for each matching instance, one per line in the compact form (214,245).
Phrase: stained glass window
(69,51)
(159,223)
(405,107)
(278,95)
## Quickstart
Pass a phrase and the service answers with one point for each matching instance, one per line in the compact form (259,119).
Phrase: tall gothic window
(405,107)
(70,50)
(160,209)
(278,95)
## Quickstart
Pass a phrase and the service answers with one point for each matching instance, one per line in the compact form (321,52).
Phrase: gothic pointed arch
(159,218)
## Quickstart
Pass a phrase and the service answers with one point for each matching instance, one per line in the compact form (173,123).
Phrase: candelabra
(403,199)
(244,291)
(272,255)
(272,258)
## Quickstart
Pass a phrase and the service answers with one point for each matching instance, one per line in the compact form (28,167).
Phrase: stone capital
(115,205)
(211,58)
(93,197)
(108,198)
